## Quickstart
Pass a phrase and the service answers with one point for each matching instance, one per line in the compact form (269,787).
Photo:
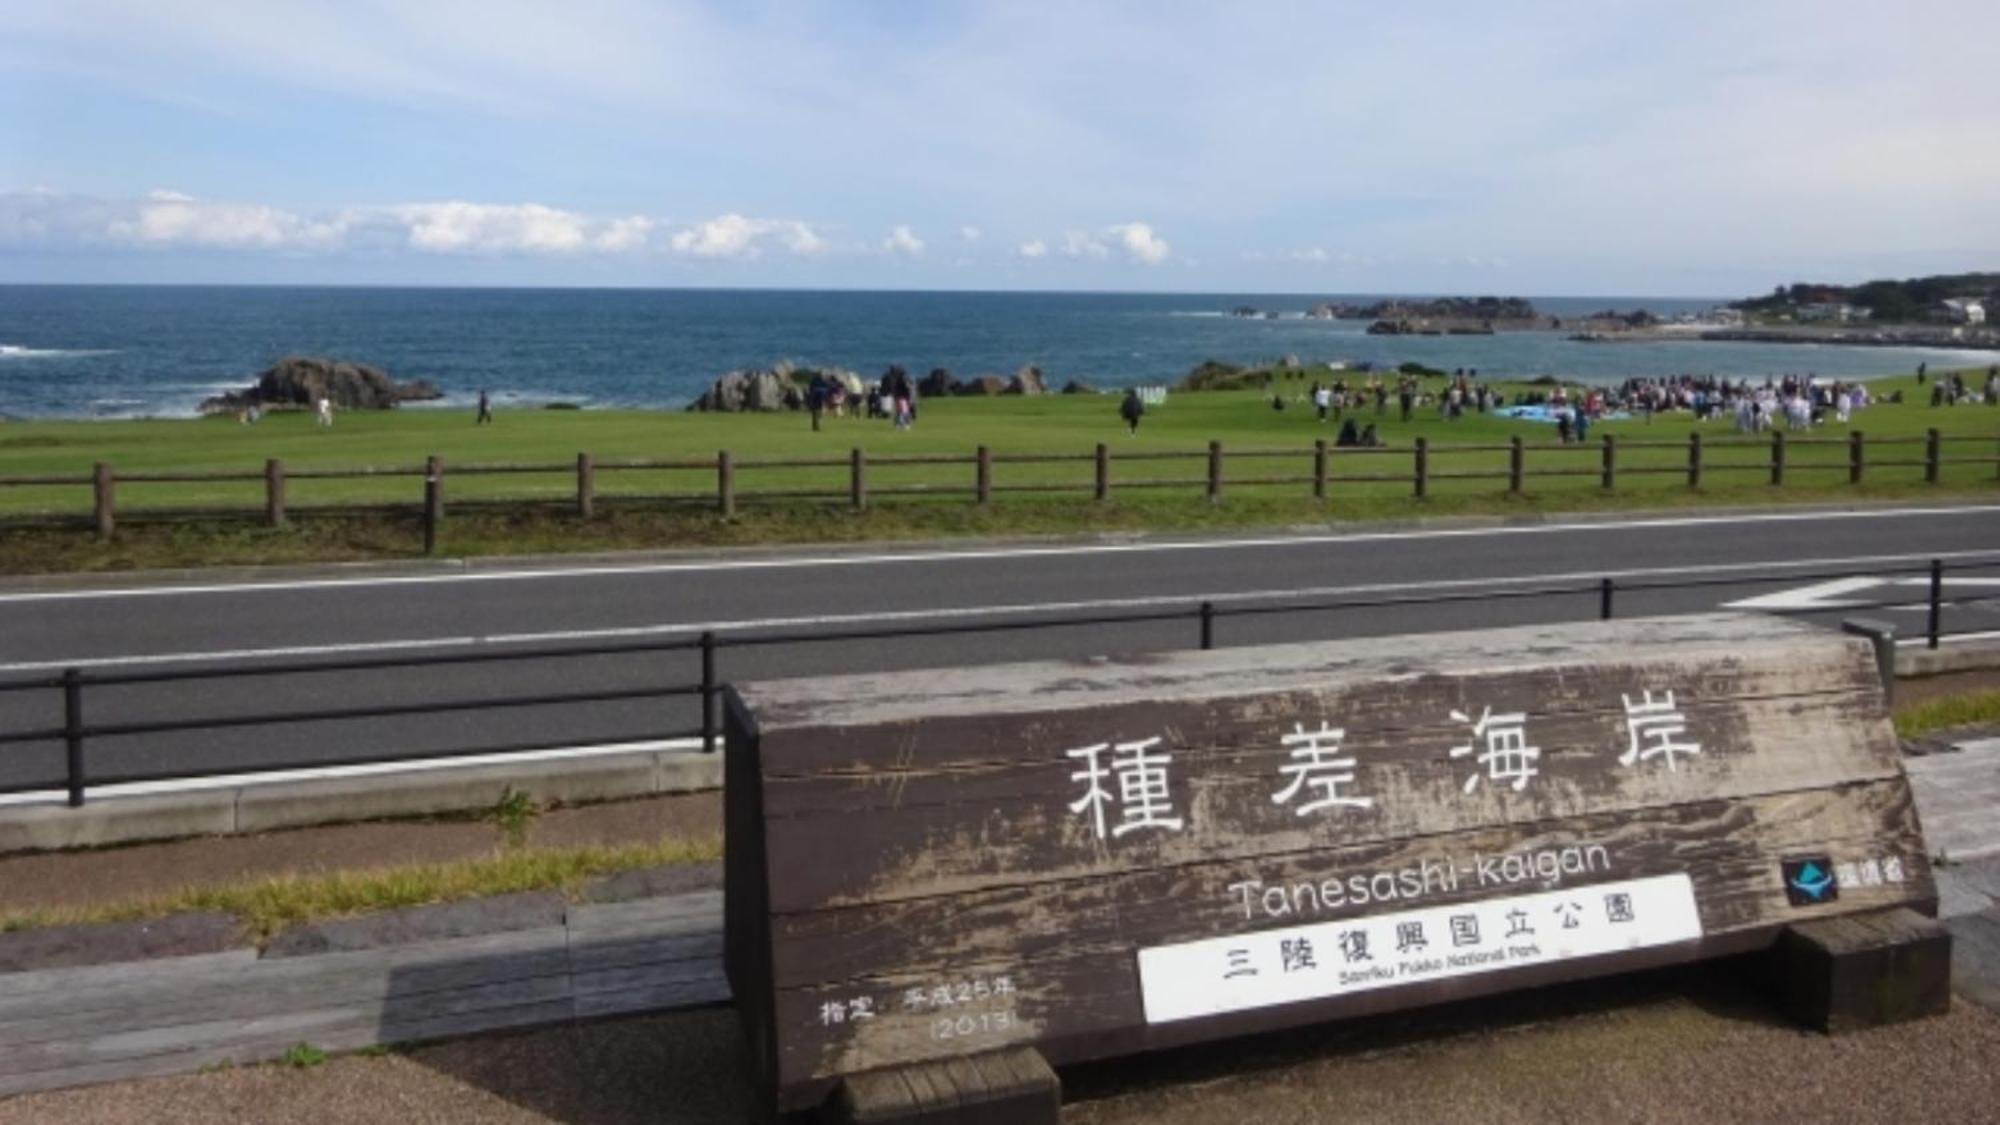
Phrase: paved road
(505,607)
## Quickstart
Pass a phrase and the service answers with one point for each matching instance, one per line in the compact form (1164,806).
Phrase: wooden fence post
(1777,457)
(857,480)
(1214,472)
(1933,455)
(433,502)
(586,485)
(1856,457)
(274,493)
(104,486)
(1517,465)
(1319,469)
(983,477)
(1610,463)
(725,484)
(1694,459)
(1423,468)
(1103,472)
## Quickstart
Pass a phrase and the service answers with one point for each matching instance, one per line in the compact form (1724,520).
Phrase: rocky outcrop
(1028,381)
(937,384)
(751,391)
(1078,387)
(304,380)
(984,385)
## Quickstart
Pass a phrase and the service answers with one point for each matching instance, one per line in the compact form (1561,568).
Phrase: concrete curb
(254,804)
(1914,663)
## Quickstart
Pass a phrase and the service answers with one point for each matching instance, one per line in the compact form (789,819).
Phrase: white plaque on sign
(1312,962)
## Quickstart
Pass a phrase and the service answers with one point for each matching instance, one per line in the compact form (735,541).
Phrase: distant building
(1834,311)
(1964,310)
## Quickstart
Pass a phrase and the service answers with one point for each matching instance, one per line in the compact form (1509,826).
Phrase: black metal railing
(74,684)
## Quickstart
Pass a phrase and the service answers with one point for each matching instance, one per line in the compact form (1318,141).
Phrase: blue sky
(1615,148)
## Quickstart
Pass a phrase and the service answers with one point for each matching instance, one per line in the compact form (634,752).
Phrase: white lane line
(632,632)
(336,773)
(792,562)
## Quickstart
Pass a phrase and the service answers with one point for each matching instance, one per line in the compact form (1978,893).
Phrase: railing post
(1610,463)
(1207,626)
(1933,455)
(1857,462)
(433,502)
(725,484)
(857,480)
(274,493)
(104,486)
(72,682)
(1103,472)
(1934,630)
(1214,472)
(1882,635)
(1319,469)
(708,730)
(983,477)
(1423,468)
(1777,457)
(1605,588)
(1694,459)
(586,485)
(1517,465)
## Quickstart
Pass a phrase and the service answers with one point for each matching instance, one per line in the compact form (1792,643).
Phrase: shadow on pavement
(687,1067)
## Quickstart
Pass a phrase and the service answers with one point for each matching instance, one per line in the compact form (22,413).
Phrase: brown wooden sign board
(1097,858)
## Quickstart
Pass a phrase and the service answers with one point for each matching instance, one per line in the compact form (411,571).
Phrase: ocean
(157,351)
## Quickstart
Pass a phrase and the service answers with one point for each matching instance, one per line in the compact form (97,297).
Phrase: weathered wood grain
(891,835)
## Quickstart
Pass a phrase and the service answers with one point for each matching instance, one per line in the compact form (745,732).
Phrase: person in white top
(325,417)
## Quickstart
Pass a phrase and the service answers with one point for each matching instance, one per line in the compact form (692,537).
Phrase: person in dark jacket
(1132,409)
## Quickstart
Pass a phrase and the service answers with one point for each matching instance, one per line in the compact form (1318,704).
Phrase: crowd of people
(894,397)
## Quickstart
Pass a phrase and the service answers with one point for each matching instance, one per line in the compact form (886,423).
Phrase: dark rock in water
(1078,387)
(751,391)
(937,384)
(984,385)
(1028,381)
(304,380)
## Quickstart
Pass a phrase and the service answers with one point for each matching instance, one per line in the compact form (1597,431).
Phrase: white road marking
(791,562)
(634,632)
(1831,595)
(335,773)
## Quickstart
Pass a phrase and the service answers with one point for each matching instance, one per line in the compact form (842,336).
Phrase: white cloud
(622,235)
(970,234)
(1141,242)
(457,227)
(1079,244)
(738,236)
(172,219)
(1033,248)
(903,240)
(1311,254)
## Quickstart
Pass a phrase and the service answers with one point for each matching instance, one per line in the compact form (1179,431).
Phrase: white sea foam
(18,351)
(1202,312)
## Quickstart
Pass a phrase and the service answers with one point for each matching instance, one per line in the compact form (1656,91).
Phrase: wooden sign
(1104,857)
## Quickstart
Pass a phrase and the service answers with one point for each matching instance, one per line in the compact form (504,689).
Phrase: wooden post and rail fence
(1426,464)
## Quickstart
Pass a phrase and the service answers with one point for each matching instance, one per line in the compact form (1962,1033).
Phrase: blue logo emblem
(1810,881)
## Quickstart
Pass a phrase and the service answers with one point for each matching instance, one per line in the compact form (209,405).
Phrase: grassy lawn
(1736,472)
(269,905)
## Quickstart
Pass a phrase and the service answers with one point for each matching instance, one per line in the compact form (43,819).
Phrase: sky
(1656,148)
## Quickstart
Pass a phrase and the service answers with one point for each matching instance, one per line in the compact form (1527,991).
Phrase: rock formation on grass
(302,381)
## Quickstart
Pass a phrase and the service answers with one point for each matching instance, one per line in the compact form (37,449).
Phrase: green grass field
(1736,472)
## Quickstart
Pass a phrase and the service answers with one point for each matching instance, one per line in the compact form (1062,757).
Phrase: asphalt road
(136,626)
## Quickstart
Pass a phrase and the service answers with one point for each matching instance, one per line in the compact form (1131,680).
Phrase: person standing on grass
(324,417)
(485,410)
(1132,409)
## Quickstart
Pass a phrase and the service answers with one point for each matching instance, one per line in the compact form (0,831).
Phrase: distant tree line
(1912,300)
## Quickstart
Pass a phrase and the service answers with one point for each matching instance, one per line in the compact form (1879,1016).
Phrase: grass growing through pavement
(269,905)
(1951,711)
(1736,473)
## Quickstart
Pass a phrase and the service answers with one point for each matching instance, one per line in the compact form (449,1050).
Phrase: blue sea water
(131,351)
